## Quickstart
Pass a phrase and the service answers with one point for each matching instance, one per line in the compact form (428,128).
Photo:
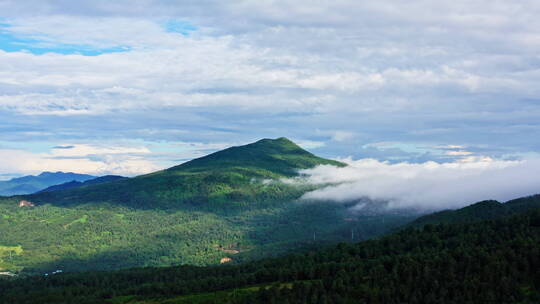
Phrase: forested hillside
(480,211)
(491,261)
(228,205)
(112,237)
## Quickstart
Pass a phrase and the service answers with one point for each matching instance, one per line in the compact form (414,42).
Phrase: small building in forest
(225,260)
(25,203)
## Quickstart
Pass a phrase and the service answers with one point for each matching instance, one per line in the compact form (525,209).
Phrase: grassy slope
(195,213)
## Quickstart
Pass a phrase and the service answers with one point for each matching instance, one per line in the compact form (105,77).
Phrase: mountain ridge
(77,184)
(33,183)
(483,210)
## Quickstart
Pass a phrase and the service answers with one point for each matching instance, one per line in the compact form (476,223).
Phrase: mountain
(486,261)
(231,178)
(484,210)
(275,156)
(76,184)
(230,206)
(30,184)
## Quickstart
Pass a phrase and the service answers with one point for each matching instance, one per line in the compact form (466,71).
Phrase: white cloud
(169,69)
(309,144)
(342,135)
(86,150)
(449,147)
(458,153)
(81,159)
(425,186)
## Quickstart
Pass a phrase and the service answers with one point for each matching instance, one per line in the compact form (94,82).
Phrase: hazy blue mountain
(33,183)
(76,184)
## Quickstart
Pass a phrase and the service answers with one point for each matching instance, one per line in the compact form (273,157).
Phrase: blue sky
(41,43)
(136,87)
(11,43)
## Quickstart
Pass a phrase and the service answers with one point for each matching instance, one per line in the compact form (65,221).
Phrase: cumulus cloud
(88,159)
(424,186)
(309,144)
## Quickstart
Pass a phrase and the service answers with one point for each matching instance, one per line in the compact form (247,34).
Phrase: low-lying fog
(425,186)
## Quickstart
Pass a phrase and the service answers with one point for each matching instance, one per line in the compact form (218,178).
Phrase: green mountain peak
(233,176)
(279,156)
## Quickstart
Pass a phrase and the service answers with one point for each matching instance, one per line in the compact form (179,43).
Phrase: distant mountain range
(76,184)
(34,183)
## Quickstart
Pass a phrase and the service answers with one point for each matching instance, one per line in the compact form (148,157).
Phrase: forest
(486,261)
(106,237)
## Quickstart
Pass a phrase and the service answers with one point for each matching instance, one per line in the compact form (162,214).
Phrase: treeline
(492,261)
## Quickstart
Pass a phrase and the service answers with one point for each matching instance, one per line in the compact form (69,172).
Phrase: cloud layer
(345,75)
(425,186)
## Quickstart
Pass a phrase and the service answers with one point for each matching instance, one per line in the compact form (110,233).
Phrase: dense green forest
(487,261)
(111,237)
(482,210)
(230,204)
